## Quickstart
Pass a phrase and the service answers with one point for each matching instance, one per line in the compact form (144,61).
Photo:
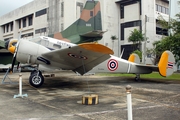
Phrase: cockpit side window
(56,46)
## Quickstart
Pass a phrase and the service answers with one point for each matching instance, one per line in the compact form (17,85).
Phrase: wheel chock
(91,99)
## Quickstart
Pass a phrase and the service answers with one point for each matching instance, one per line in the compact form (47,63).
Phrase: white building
(119,17)
(174,7)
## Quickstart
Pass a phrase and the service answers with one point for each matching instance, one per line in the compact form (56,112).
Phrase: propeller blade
(18,65)
(15,52)
(14,57)
(13,62)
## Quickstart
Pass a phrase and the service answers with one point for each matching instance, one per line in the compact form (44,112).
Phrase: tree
(171,42)
(136,37)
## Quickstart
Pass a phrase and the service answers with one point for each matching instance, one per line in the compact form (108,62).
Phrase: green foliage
(136,37)
(139,53)
(113,37)
(171,42)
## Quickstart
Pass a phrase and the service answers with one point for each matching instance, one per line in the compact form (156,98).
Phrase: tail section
(166,64)
(87,28)
(134,58)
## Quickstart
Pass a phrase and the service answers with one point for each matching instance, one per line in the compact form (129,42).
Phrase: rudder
(134,58)
(166,64)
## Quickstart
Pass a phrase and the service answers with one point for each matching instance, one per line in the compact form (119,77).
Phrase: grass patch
(154,75)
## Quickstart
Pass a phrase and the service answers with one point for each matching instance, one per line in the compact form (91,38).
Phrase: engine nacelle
(28,52)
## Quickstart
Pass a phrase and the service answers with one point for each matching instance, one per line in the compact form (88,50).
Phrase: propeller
(12,46)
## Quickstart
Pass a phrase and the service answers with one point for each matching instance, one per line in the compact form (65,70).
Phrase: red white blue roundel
(112,65)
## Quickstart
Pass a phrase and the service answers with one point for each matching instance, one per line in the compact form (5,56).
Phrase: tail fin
(166,64)
(134,58)
(87,28)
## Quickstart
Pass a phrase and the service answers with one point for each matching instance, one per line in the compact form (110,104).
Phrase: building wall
(175,8)
(110,24)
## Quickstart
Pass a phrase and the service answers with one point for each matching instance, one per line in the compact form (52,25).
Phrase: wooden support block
(91,99)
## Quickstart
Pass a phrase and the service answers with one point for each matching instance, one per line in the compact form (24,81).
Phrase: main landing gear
(137,78)
(36,78)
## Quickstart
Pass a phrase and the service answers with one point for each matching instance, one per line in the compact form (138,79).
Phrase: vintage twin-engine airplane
(55,54)
(69,50)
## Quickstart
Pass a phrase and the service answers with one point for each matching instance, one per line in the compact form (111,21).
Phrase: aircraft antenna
(122,53)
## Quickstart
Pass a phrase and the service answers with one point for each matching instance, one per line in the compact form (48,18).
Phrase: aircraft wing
(80,58)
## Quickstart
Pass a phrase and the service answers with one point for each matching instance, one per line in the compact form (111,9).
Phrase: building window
(62,9)
(4,28)
(26,35)
(161,31)
(129,24)
(30,20)
(24,22)
(20,24)
(41,12)
(122,11)
(159,8)
(42,30)
(7,27)
(11,26)
(167,11)
(162,9)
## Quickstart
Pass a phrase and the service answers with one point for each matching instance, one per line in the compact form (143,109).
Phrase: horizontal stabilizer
(96,33)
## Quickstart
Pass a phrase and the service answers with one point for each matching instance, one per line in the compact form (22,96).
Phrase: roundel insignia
(112,65)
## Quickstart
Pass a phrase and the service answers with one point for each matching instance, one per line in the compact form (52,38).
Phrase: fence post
(129,102)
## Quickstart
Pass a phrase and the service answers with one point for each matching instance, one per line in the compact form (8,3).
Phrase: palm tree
(136,37)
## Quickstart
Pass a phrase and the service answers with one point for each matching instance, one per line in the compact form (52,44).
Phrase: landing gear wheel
(137,78)
(36,79)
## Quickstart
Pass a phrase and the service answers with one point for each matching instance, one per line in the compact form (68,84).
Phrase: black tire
(137,79)
(36,81)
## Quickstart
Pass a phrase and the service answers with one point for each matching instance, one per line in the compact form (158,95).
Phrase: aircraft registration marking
(112,64)
(77,56)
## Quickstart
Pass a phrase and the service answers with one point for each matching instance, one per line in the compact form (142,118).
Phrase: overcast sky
(9,5)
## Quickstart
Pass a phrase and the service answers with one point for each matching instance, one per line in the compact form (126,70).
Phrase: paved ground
(60,99)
